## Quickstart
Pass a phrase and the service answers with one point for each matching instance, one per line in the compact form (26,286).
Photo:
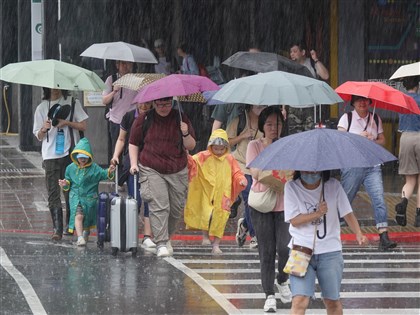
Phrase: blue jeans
(371,178)
(328,268)
(130,185)
(247,214)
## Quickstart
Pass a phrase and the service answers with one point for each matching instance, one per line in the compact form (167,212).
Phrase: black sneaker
(241,233)
(234,208)
(417,219)
(401,210)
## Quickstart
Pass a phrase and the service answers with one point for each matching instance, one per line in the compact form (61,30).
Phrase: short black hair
(355,98)
(183,47)
(262,118)
(300,45)
(411,82)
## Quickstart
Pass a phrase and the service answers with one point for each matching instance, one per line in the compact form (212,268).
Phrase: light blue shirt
(410,122)
(189,66)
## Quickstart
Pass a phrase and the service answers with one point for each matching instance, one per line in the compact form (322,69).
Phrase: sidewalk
(23,200)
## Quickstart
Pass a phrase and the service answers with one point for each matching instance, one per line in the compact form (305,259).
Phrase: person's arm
(81,126)
(381,139)
(133,151)
(119,146)
(321,70)
(217,124)
(107,97)
(309,217)
(187,139)
(351,221)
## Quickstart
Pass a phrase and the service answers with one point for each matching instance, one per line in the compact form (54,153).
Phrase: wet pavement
(42,277)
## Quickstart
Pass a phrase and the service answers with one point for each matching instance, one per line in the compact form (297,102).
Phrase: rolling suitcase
(124,223)
(102,221)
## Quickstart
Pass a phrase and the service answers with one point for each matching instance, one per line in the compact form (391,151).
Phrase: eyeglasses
(163,103)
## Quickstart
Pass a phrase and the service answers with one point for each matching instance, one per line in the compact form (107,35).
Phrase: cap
(81,155)
(159,43)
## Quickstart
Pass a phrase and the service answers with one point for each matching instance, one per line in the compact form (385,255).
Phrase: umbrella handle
(325,229)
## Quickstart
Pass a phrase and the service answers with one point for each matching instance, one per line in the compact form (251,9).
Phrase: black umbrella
(265,62)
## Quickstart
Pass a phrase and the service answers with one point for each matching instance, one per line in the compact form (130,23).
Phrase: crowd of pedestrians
(154,139)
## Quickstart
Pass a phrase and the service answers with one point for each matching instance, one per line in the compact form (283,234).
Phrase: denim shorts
(328,268)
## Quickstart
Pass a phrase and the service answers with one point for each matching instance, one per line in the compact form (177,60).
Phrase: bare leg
(79,224)
(410,184)
(147,227)
(333,307)
(216,249)
(299,305)
(206,239)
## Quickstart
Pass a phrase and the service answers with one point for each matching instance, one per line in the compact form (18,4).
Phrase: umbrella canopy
(382,96)
(175,85)
(265,62)
(277,88)
(321,149)
(52,74)
(208,96)
(120,51)
(135,81)
(409,70)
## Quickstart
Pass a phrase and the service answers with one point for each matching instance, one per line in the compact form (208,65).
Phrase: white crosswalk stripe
(373,282)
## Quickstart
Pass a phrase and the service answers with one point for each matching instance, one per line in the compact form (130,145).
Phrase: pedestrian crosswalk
(373,282)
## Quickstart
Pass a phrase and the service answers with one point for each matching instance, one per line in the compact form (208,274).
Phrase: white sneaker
(254,243)
(170,248)
(285,294)
(162,252)
(270,304)
(81,242)
(148,243)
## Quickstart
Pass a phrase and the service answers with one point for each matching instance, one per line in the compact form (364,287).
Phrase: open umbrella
(265,62)
(135,81)
(120,51)
(276,88)
(175,85)
(52,74)
(319,150)
(382,96)
(409,70)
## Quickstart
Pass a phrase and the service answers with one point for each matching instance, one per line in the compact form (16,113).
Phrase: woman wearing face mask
(313,199)
(241,130)
(271,230)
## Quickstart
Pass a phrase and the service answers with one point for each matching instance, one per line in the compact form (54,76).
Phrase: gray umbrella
(320,150)
(265,62)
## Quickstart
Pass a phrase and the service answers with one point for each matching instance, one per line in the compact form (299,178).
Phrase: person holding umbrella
(409,155)
(56,141)
(159,152)
(270,228)
(313,201)
(367,125)
(119,101)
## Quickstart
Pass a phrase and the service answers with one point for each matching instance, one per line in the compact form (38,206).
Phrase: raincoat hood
(83,146)
(219,137)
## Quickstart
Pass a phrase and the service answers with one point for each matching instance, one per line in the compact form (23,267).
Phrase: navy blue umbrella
(321,149)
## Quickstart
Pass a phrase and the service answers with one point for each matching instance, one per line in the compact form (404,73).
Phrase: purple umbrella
(319,150)
(174,85)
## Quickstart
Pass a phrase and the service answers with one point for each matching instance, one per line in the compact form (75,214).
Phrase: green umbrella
(52,74)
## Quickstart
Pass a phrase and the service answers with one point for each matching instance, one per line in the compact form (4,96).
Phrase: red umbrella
(382,96)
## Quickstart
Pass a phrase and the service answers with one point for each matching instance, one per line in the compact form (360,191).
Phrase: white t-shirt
(41,115)
(299,200)
(358,124)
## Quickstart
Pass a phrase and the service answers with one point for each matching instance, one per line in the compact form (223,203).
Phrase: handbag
(300,256)
(263,201)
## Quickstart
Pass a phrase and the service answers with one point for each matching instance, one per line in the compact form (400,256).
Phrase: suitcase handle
(136,178)
(116,180)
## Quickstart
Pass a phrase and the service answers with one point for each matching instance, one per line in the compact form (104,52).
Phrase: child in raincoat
(215,180)
(82,178)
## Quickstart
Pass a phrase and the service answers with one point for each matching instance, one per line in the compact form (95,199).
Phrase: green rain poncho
(83,183)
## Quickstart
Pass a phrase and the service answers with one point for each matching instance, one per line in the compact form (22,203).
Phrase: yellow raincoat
(213,187)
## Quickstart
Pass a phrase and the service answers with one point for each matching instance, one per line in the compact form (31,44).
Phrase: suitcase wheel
(114,251)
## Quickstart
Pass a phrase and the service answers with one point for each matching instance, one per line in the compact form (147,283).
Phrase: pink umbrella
(175,85)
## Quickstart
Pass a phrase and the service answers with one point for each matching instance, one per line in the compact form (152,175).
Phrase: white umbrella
(409,70)
(120,51)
